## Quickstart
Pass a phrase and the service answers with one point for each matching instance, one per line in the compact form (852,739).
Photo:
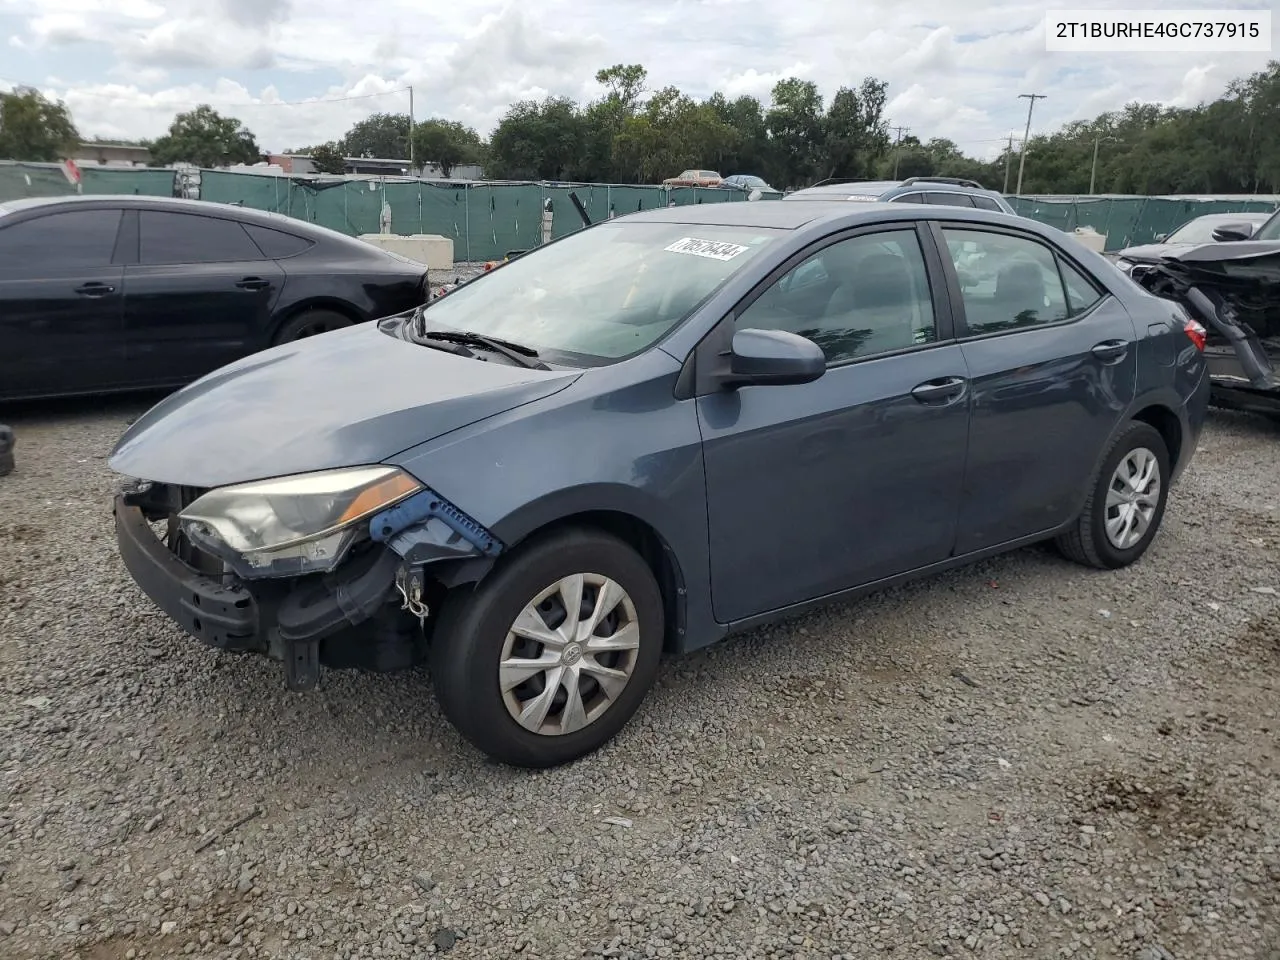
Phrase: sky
(301,72)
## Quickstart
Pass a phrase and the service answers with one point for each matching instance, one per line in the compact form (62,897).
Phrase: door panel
(61,318)
(1053,369)
(817,487)
(200,297)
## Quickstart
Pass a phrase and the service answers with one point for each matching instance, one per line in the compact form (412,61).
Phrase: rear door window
(910,198)
(168,238)
(277,244)
(950,199)
(59,242)
(985,203)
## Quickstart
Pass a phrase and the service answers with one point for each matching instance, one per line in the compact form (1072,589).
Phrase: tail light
(1195,332)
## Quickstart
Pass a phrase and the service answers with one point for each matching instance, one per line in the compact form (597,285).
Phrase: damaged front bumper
(1237,298)
(368,613)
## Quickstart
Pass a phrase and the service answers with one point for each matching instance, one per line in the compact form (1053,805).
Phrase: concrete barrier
(434,250)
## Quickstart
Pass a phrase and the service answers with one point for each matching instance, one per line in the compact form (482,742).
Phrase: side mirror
(1233,231)
(773,357)
(1161,237)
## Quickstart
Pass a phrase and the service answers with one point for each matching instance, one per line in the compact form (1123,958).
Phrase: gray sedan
(654,433)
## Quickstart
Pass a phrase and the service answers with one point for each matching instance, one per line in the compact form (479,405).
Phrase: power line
(192,103)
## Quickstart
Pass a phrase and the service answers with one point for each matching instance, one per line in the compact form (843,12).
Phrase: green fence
(1128,221)
(486,220)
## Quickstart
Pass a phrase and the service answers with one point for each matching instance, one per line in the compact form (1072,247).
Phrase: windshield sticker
(713,249)
(861,196)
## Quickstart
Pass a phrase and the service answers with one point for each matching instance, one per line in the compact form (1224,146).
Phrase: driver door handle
(1109,351)
(940,391)
(95,288)
(252,283)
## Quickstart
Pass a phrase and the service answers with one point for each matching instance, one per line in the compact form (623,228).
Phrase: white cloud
(953,70)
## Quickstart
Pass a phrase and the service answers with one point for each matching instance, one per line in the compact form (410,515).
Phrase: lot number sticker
(713,249)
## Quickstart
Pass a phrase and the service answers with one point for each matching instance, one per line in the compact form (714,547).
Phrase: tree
(853,131)
(671,134)
(795,125)
(383,135)
(34,128)
(605,118)
(327,158)
(205,138)
(537,140)
(447,143)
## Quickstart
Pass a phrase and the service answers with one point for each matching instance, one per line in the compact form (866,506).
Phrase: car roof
(829,214)
(877,188)
(140,201)
(1257,215)
(852,188)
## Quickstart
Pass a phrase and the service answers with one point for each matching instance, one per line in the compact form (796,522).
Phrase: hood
(1203,252)
(1151,251)
(345,398)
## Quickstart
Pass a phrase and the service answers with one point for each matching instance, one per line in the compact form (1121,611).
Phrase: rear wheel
(309,323)
(553,653)
(1127,502)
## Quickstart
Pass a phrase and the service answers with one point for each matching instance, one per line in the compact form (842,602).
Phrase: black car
(101,294)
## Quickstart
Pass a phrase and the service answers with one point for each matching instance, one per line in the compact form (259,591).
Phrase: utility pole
(1093,171)
(897,152)
(411,125)
(1031,99)
(1008,157)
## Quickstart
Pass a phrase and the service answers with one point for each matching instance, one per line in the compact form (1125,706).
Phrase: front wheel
(553,653)
(1126,505)
(309,323)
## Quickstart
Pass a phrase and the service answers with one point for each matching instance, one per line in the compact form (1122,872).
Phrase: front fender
(615,441)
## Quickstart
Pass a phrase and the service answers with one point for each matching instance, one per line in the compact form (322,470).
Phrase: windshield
(1199,230)
(1269,230)
(604,293)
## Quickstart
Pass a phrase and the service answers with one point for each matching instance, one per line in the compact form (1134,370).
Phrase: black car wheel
(309,323)
(553,653)
(1126,504)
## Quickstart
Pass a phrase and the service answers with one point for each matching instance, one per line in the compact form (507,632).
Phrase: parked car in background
(746,183)
(1206,229)
(948,191)
(763,406)
(694,178)
(113,293)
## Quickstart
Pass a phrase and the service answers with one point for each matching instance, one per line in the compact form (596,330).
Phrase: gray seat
(1020,292)
(878,302)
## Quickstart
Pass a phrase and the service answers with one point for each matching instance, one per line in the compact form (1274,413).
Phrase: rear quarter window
(985,203)
(277,244)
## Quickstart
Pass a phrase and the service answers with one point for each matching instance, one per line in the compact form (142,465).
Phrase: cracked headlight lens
(293,525)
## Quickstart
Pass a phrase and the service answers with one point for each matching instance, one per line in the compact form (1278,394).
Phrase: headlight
(292,525)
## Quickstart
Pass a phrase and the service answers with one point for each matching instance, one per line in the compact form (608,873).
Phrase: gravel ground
(1020,759)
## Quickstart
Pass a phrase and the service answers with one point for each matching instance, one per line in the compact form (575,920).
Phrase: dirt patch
(1262,634)
(1182,807)
(21,533)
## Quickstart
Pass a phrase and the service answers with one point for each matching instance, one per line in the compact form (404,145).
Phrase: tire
(309,323)
(473,637)
(1088,541)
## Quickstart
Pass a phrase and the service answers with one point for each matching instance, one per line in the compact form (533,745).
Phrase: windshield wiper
(515,352)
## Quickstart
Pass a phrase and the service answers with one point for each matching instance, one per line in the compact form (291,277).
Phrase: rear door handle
(1110,351)
(942,390)
(252,283)
(95,288)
